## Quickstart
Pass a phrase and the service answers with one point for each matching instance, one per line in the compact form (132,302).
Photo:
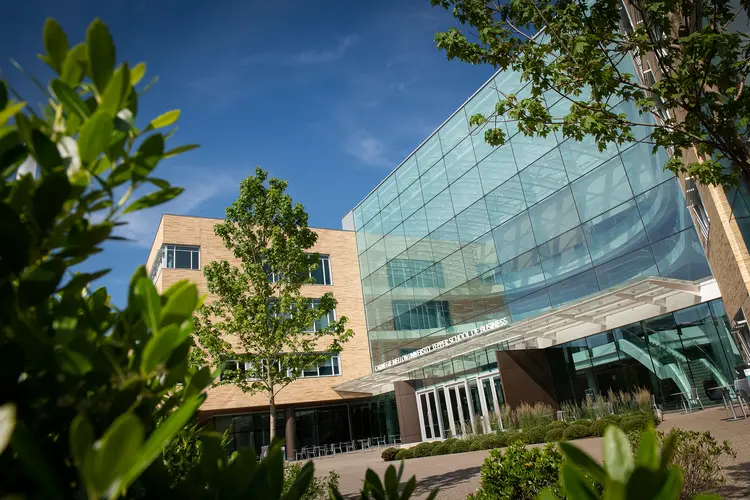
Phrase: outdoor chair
(694,399)
(301,453)
(712,392)
(350,446)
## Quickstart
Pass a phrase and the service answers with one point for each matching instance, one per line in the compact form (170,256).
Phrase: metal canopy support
(633,301)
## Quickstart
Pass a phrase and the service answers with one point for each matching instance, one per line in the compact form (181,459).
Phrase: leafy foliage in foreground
(697,51)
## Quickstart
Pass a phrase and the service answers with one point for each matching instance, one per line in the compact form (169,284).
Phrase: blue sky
(330,95)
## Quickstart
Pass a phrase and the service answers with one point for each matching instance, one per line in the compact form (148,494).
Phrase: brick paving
(458,475)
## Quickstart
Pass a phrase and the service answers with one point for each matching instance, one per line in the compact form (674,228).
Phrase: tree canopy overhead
(692,60)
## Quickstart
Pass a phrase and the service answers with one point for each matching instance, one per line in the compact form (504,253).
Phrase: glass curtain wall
(461,233)
(690,349)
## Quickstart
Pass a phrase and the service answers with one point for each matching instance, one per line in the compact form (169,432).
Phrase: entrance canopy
(633,301)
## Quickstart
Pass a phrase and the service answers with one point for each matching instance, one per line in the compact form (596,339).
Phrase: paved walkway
(458,475)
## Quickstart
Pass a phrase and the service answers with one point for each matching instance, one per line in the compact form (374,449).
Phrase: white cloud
(306,57)
(201,186)
(368,149)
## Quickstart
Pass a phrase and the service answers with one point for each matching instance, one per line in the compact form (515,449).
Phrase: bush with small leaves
(389,454)
(477,444)
(577,431)
(450,441)
(519,473)
(441,449)
(513,437)
(460,446)
(405,454)
(598,427)
(319,485)
(557,424)
(535,435)
(554,435)
(636,423)
(423,449)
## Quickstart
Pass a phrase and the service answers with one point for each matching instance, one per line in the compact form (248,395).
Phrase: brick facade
(340,246)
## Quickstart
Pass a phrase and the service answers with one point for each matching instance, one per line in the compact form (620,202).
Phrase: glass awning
(630,302)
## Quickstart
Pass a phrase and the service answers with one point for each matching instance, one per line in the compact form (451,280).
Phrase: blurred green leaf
(115,452)
(46,153)
(69,98)
(618,458)
(49,198)
(179,150)
(56,44)
(101,54)
(159,439)
(136,74)
(146,293)
(648,451)
(153,199)
(301,482)
(160,347)
(391,482)
(116,93)
(81,437)
(75,65)
(583,460)
(164,120)
(182,299)
(7,424)
(14,256)
(3,94)
(575,485)
(40,281)
(94,137)
(150,151)
(9,111)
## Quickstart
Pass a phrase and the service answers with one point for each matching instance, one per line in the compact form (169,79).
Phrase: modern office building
(542,270)
(319,413)
(476,277)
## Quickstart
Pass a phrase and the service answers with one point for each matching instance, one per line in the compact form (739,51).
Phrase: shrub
(493,441)
(450,441)
(530,416)
(557,424)
(576,431)
(635,423)
(700,456)
(582,421)
(519,473)
(389,454)
(535,435)
(460,446)
(477,444)
(319,485)
(553,435)
(598,427)
(440,449)
(513,437)
(405,454)
(617,418)
(423,450)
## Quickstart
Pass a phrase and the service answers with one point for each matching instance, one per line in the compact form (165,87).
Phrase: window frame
(335,366)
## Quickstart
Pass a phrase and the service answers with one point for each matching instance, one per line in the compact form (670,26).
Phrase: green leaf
(372,479)
(301,482)
(7,424)
(116,94)
(575,484)
(74,362)
(136,74)
(40,282)
(3,95)
(81,438)
(182,300)
(391,482)
(149,302)
(153,199)
(9,111)
(179,150)
(56,44)
(672,486)
(95,135)
(69,98)
(160,347)
(49,199)
(164,120)
(151,151)
(75,65)
(547,494)
(46,153)
(618,458)
(34,460)
(158,439)
(117,449)
(648,451)
(101,54)
(583,460)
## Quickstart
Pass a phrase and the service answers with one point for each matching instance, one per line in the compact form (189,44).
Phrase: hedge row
(554,431)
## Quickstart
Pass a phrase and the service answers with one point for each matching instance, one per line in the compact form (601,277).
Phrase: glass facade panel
(511,231)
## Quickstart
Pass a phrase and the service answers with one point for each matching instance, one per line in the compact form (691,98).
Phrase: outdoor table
(682,396)
(394,437)
(726,396)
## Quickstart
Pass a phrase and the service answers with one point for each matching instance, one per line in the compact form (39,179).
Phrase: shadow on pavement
(443,481)
(738,477)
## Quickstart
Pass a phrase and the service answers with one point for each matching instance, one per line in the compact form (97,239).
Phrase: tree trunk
(272,410)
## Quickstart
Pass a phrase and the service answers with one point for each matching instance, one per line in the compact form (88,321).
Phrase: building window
(321,275)
(424,273)
(414,315)
(328,368)
(176,257)
(695,203)
(322,323)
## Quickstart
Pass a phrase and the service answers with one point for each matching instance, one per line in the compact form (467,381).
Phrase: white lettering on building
(498,323)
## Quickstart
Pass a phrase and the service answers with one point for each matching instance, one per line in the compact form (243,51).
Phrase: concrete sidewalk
(458,475)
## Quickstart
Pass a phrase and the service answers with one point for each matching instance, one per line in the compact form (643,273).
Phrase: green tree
(698,52)
(259,319)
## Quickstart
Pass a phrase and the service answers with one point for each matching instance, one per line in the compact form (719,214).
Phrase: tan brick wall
(346,288)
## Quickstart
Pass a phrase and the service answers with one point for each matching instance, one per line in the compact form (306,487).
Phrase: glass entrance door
(462,411)
(491,398)
(430,415)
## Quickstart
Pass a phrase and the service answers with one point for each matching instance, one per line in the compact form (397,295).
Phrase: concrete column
(290,432)
(408,415)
